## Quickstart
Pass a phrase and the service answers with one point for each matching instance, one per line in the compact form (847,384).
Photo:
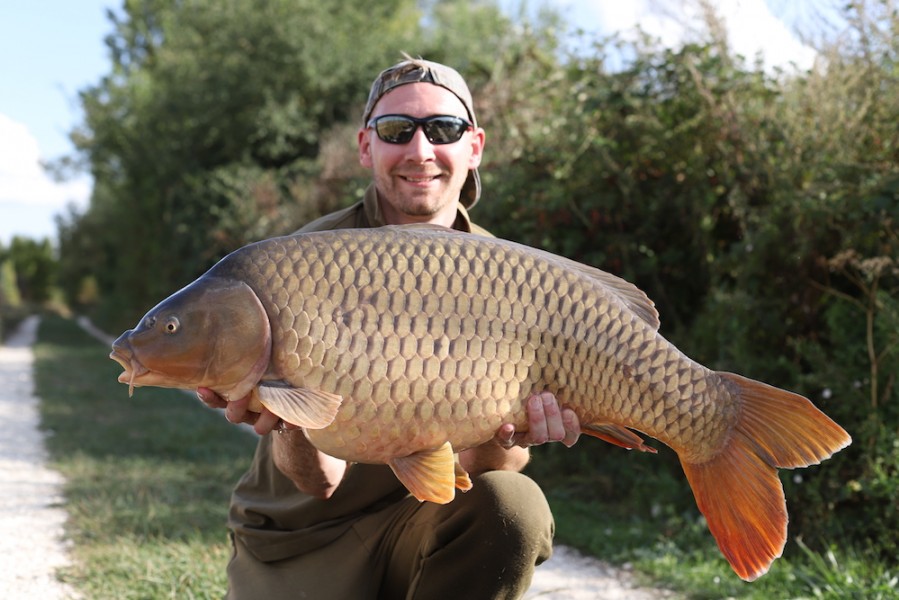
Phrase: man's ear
(477,148)
(363,139)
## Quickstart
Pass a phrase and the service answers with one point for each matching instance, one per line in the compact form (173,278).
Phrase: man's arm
(313,472)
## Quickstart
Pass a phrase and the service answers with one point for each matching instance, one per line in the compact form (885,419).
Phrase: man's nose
(419,147)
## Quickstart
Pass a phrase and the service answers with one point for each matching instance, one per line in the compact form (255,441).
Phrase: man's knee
(483,544)
(509,508)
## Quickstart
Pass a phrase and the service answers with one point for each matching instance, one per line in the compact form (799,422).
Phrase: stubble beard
(420,206)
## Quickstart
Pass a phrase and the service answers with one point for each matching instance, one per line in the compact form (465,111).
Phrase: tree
(202,135)
(10,298)
(34,266)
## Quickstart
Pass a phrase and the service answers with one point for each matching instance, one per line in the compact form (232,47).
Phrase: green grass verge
(148,478)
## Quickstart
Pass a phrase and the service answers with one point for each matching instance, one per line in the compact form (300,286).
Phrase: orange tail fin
(739,492)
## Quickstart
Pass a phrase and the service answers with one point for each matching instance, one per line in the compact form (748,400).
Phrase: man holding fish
(307,525)
(406,344)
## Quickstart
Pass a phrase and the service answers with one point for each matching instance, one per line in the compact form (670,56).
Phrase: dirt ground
(31,516)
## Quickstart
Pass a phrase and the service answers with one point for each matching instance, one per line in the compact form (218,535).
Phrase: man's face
(420,182)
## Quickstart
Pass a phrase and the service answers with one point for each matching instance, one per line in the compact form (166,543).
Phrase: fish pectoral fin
(618,435)
(311,409)
(431,475)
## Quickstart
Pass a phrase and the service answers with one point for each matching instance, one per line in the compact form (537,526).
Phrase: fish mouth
(133,367)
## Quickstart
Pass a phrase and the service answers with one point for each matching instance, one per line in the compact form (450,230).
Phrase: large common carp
(403,345)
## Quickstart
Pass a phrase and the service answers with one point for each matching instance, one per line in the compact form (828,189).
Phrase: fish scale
(403,345)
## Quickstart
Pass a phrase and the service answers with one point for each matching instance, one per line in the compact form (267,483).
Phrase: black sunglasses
(439,129)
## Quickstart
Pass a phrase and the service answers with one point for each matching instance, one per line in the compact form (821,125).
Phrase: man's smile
(419,178)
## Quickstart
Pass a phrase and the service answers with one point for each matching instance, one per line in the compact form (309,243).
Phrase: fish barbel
(405,344)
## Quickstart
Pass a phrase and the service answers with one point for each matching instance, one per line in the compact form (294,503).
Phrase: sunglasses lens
(444,130)
(399,129)
(395,130)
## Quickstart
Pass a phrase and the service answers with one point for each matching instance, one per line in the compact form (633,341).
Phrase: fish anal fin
(618,435)
(738,489)
(310,409)
(431,475)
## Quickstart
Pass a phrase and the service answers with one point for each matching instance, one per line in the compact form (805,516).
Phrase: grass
(149,479)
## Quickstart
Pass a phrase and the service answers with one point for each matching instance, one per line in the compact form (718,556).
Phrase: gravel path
(569,575)
(31,518)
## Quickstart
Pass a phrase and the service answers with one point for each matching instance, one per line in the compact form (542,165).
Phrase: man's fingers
(547,422)
(236,411)
(266,422)
(538,432)
(572,427)
(555,428)
(210,398)
(506,436)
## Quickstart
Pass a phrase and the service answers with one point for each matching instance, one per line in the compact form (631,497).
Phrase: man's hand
(236,411)
(508,449)
(547,422)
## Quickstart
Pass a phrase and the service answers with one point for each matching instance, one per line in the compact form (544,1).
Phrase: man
(307,525)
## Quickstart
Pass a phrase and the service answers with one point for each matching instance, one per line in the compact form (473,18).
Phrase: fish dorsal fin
(311,409)
(632,296)
(431,475)
(618,435)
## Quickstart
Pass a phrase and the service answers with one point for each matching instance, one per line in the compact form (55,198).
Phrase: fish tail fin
(739,491)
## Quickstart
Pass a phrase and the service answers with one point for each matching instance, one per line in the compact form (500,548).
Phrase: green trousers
(483,545)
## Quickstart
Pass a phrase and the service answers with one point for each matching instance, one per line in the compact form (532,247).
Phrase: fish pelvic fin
(739,491)
(463,481)
(310,409)
(618,435)
(431,475)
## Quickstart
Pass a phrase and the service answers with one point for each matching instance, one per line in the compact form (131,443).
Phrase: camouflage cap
(416,70)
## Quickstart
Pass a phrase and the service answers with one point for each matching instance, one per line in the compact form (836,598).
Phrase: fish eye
(172,325)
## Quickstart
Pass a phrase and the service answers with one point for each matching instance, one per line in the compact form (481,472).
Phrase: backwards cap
(416,70)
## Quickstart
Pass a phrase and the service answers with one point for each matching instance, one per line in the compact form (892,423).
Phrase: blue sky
(51,49)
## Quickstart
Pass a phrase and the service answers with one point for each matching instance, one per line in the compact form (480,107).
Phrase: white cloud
(652,17)
(28,196)
(751,27)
